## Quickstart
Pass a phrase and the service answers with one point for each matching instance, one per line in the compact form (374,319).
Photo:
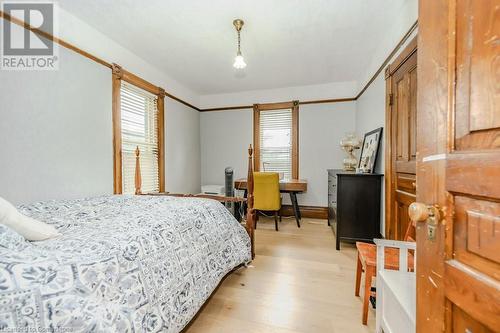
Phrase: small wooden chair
(367,262)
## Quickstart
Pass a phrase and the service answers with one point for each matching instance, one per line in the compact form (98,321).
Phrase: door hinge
(391,98)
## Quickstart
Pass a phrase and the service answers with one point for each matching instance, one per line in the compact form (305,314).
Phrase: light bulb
(239,62)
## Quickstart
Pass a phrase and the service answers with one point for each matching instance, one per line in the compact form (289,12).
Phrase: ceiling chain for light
(239,62)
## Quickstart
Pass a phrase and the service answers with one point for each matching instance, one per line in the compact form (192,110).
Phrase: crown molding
(120,71)
(116,69)
(388,58)
(48,36)
(403,40)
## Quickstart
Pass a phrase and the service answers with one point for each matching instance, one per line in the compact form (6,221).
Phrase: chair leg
(280,214)
(369,272)
(276,220)
(359,270)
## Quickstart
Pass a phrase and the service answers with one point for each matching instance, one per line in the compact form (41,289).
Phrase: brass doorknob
(420,212)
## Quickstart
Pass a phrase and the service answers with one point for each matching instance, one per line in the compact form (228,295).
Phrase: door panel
(473,271)
(482,167)
(463,322)
(412,128)
(473,293)
(403,201)
(477,234)
(478,76)
(401,115)
(478,71)
(458,165)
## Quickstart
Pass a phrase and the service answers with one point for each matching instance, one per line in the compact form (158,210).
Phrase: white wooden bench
(396,290)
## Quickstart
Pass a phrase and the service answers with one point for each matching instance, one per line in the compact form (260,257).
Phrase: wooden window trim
(118,75)
(257,108)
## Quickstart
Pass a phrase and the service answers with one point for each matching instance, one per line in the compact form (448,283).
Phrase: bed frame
(251,214)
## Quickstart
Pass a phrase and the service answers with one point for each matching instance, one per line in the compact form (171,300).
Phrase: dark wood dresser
(354,205)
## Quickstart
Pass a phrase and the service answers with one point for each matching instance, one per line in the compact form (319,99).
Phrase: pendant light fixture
(239,62)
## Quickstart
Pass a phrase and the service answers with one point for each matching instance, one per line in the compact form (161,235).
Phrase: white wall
(79,33)
(225,136)
(56,132)
(321,127)
(182,123)
(198,149)
(182,148)
(400,24)
(182,151)
(370,114)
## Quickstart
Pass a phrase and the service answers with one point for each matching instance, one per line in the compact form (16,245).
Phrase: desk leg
(239,207)
(298,207)
(295,205)
(237,214)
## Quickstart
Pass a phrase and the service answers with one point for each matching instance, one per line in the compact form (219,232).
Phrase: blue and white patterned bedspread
(122,264)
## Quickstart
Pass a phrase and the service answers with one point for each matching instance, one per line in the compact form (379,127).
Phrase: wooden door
(401,144)
(458,165)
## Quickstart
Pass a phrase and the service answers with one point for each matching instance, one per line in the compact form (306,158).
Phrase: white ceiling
(284,42)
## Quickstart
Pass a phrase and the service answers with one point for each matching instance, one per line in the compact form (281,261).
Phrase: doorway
(401,140)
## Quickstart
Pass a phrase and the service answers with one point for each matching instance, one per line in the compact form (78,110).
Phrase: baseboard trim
(313,212)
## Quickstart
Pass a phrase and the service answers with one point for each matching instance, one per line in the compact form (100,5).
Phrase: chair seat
(368,256)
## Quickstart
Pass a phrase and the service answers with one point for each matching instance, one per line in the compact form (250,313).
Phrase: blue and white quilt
(122,264)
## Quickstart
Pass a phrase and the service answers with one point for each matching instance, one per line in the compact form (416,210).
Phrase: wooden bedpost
(138,179)
(250,211)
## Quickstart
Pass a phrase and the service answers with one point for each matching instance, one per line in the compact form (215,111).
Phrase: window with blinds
(139,125)
(275,140)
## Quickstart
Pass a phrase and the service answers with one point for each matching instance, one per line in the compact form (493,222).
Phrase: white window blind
(276,141)
(139,122)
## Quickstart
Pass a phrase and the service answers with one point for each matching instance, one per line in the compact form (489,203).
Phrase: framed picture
(369,151)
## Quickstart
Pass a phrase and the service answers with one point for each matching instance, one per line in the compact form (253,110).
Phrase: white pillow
(27,227)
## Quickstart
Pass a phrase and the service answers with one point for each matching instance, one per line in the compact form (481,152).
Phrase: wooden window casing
(120,74)
(257,109)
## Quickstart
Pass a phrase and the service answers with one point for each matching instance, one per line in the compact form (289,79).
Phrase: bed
(123,263)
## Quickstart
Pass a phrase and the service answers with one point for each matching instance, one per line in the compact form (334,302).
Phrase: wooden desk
(286,185)
(291,186)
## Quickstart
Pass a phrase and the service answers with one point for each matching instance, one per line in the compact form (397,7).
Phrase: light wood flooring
(298,282)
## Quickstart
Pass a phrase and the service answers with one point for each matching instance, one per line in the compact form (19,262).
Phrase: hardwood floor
(298,282)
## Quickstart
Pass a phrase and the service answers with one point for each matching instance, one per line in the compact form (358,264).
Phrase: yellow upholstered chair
(267,195)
